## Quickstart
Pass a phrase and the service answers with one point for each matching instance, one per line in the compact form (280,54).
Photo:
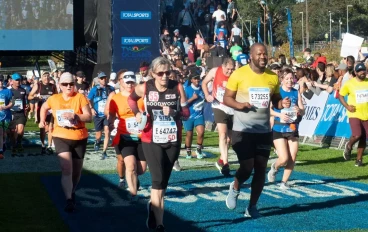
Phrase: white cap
(112,76)
(66,78)
(129,76)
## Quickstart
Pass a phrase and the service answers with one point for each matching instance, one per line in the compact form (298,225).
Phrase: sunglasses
(66,84)
(160,74)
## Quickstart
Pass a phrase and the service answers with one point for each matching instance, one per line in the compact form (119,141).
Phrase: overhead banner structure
(136,31)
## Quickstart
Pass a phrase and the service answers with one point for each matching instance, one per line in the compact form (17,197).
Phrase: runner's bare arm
(184,104)
(107,106)
(135,96)
(278,102)
(300,105)
(229,100)
(33,92)
(86,115)
(209,77)
(43,113)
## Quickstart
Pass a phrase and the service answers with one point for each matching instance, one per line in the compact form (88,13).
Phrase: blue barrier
(334,121)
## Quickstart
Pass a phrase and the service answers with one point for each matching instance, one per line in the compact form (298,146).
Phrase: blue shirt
(196,106)
(223,43)
(285,126)
(219,30)
(6,96)
(98,97)
(242,59)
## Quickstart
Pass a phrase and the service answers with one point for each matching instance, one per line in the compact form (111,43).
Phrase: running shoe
(232,197)
(199,154)
(20,148)
(252,212)
(73,199)
(104,155)
(225,170)
(121,184)
(134,198)
(14,152)
(49,151)
(347,152)
(70,206)
(43,151)
(1,156)
(284,186)
(160,228)
(358,163)
(272,174)
(176,166)
(97,145)
(189,155)
(151,219)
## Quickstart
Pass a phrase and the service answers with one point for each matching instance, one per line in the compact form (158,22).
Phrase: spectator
(191,55)
(199,45)
(307,56)
(186,45)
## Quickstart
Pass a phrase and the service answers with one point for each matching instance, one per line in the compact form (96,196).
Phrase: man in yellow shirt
(357,110)
(249,91)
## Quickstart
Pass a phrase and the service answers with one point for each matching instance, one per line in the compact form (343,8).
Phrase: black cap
(80,74)
(307,50)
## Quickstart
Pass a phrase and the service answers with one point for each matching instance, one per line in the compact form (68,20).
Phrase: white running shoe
(176,166)
(272,174)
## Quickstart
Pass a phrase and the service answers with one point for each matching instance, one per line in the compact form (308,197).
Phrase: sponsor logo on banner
(135,40)
(334,121)
(135,53)
(313,112)
(136,15)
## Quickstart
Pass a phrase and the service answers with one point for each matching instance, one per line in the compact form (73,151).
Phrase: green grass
(26,206)
(32,126)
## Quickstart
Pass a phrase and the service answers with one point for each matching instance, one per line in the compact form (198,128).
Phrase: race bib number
(259,97)
(62,121)
(132,125)
(291,113)
(361,96)
(18,104)
(101,106)
(153,96)
(220,94)
(164,128)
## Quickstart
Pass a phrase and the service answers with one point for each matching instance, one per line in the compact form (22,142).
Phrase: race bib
(259,97)
(220,94)
(243,61)
(132,125)
(18,105)
(62,121)
(164,128)
(361,96)
(101,106)
(291,113)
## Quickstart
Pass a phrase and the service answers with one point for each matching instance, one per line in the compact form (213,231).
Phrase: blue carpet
(195,201)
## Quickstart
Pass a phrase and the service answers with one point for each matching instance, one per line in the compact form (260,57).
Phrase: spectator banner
(313,112)
(334,121)
(135,33)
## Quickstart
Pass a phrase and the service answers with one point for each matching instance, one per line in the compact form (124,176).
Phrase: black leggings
(160,160)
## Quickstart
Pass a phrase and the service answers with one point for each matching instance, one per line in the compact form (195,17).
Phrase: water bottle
(143,121)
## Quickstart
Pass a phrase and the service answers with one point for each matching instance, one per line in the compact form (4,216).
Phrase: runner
(285,130)
(356,90)
(71,110)
(249,91)
(195,96)
(161,138)
(127,140)
(5,115)
(223,114)
(43,91)
(19,115)
(120,166)
(81,86)
(97,98)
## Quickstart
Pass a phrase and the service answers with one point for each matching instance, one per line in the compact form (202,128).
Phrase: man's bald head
(255,46)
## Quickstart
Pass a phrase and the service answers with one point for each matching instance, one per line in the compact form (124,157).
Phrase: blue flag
(271,34)
(289,31)
(259,30)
